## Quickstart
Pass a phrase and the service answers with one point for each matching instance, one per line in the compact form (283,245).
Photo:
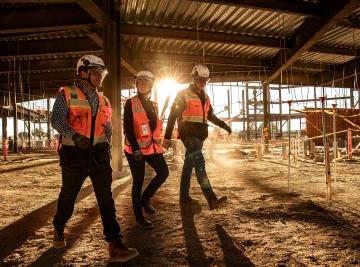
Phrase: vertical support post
(326,151)
(352,98)
(243,112)
(266,121)
(15,132)
(112,87)
(229,105)
(289,134)
(4,137)
(315,98)
(280,109)
(255,113)
(349,144)
(247,113)
(335,148)
(39,121)
(48,135)
(118,93)
(29,129)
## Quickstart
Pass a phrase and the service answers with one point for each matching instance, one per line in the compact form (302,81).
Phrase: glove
(81,141)
(227,128)
(137,155)
(166,143)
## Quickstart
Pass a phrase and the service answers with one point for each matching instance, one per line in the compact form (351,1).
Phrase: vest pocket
(78,119)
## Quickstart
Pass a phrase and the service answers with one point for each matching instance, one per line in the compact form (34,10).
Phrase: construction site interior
(283,75)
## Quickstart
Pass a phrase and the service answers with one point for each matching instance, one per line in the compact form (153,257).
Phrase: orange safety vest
(149,142)
(194,111)
(80,117)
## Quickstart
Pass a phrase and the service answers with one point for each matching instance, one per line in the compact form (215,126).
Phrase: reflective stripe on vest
(148,141)
(80,117)
(194,111)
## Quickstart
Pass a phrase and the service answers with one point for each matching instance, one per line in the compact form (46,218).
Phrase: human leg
(158,163)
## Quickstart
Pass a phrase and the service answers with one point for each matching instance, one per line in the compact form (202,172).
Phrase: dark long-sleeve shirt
(151,113)
(187,129)
(60,112)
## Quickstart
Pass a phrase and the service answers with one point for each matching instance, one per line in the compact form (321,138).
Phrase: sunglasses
(98,70)
(201,79)
(144,81)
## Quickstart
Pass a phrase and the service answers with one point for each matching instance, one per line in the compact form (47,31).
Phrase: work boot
(118,252)
(187,200)
(143,223)
(216,203)
(59,239)
(148,207)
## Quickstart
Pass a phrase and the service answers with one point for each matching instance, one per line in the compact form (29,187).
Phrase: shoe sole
(219,204)
(59,245)
(125,259)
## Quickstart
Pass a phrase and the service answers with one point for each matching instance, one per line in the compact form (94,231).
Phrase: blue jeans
(194,158)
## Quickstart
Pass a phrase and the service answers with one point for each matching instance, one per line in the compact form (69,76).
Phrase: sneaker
(143,223)
(118,252)
(214,204)
(59,239)
(148,207)
(188,200)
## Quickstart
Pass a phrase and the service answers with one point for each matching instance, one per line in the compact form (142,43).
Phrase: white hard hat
(144,74)
(88,61)
(200,71)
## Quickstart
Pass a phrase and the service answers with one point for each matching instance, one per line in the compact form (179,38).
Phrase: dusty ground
(261,225)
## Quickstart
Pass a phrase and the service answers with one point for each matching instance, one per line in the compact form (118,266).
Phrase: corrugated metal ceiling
(209,17)
(148,44)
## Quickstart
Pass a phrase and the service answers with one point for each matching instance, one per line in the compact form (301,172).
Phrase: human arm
(215,120)
(176,109)
(129,126)
(59,116)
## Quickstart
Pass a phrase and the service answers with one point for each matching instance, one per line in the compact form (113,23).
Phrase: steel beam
(310,32)
(192,35)
(95,11)
(47,46)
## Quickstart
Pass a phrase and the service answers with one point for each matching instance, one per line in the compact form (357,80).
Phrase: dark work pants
(195,158)
(137,168)
(101,178)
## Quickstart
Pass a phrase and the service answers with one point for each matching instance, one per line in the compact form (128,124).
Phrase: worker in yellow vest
(142,129)
(82,116)
(192,110)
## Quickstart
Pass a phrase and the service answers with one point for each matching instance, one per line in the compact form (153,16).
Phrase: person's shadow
(233,256)
(194,249)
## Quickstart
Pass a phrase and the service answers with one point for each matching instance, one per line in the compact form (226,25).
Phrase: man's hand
(166,143)
(137,155)
(81,141)
(227,128)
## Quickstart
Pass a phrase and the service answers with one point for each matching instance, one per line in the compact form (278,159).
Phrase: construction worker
(192,110)
(82,116)
(142,129)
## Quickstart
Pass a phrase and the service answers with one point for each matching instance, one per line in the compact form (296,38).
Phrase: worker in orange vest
(142,129)
(192,110)
(82,116)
